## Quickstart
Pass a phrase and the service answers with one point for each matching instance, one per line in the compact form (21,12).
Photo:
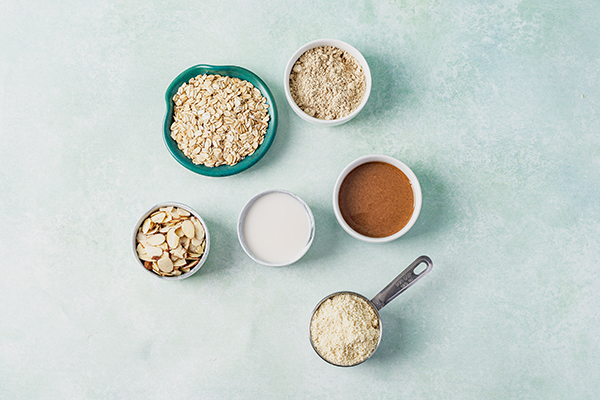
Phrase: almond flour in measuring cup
(327,83)
(345,329)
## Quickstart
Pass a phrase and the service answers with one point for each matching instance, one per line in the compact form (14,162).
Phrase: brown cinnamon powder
(376,199)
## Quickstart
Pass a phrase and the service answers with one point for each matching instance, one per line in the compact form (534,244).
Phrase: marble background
(495,106)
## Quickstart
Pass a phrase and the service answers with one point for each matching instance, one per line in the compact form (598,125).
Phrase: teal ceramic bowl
(224,70)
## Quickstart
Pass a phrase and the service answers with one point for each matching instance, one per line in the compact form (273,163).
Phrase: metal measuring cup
(406,279)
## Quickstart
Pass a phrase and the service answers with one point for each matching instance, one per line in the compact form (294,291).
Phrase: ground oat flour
(327,83)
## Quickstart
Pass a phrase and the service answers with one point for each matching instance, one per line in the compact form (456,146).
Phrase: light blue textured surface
(493,104)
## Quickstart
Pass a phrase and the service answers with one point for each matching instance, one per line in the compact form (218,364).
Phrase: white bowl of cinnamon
(377,198)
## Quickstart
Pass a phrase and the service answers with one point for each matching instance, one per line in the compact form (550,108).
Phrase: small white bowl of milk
(276,228)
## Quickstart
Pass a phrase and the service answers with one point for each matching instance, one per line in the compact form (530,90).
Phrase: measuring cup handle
(402,282)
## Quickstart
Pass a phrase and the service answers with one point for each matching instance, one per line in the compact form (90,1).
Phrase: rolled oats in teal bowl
(220,120)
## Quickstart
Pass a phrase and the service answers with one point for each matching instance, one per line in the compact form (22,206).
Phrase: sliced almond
(188,228)
(156,239)
(154,251)
(199,229)
(158,217)
(155,268)
(165,264)
(141,238)
(147,225)
(185,243)
(145,257)
(172,239)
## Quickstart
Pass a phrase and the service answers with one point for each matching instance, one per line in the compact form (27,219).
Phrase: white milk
(277,228)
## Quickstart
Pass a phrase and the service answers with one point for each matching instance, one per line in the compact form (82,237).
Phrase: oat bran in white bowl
(327,82)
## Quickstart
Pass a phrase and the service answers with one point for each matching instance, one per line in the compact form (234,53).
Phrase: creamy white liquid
(276,228)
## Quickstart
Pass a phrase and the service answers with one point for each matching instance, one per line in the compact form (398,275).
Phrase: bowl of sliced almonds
(171,241)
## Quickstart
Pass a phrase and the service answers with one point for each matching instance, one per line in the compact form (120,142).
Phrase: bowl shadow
(221,249)
(399,340)
(435,209)
(392,83)
(327,234)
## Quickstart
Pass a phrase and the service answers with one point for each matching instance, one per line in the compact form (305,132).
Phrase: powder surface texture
(327,83)
(376,199)
(345,329)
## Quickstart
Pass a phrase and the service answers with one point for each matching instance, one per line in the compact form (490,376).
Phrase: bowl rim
(197,267)
(416,187)
(343,46)
(244,211)
(224,70)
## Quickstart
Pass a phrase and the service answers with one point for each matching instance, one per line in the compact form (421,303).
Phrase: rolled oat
(219,119)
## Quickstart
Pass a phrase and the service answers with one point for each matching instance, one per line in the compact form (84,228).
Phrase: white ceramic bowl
(197,267)
(416,188)
(340,45)
(301,250)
